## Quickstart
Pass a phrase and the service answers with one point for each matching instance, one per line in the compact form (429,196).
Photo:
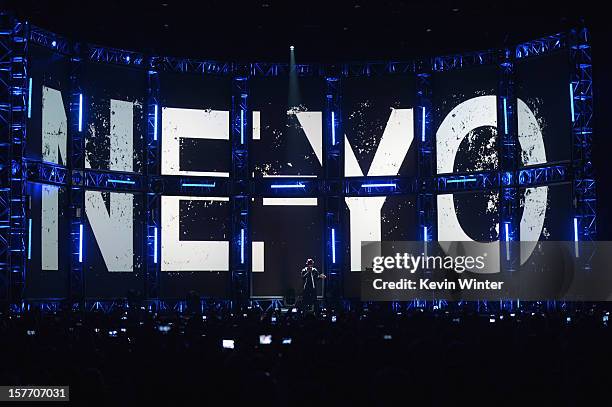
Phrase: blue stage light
(505,115)
(121,181)
(29,239)
(242,246)
(30,98)
(280,186)
(425,237)
(571,88)
(53,43)
(454,181)
(81,243)
(423,126)
(333,245)
(202,185)
(241,126)
(507,230)
(333,128)
(379,185)
(155,123)
(155,244)
(80,112)
(575,229)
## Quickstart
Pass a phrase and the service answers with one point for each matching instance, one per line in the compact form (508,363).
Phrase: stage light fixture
(389,185)
(333,127)
(202,185)
(80,112)
(30,98)
(155,244)
(333,244)
(242,246)
(575,229)
(571,89)
(455,181)
(121,181)
(53,43)
(155,124)
(291,48)
(505,115)
(423,126)
(81,243)
(30,239)
(281,186)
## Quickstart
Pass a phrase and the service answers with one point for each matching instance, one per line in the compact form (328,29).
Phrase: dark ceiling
(321,31)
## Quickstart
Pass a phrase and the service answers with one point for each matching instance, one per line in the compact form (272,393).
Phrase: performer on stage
(310,276)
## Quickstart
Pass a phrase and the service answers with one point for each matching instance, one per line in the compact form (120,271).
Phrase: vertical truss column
(333,146)
(426,143)
(19,94)
(508,149)
(152,196)
(581,95)
(76,145)
(6,30)
(240,247)
(13,113)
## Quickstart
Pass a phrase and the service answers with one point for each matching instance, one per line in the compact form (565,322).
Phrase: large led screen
(285,233)
(48,245)
(47,124)
(465,119)
(195,124)
(113,258)
(195,234)
(373,218)
(544,108)
(378,123)
(114,117)
(287,118)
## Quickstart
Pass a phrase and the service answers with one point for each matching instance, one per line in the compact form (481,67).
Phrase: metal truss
(152,197)
(287,187)
(171,64)
(240,247)
(13,114)
(542,175)
(50,40)
(477,181)
(280,69)
(540,46)
(112,180)
(426,166)
(508,149)
(378,68)
(379,186)
(6,30)
(333,146)
(47,173)
(193,186)
(581,94)
(452,62)
(76,161)
(115,56)
(19,108)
